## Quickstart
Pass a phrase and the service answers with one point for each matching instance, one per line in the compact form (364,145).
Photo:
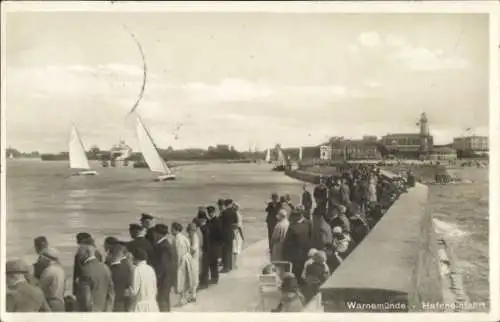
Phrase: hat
(337,230)
(342,209)
(51,253)
(83,237)
(161,229)
(311,252)
(16,267)
(321,254)
(145,216)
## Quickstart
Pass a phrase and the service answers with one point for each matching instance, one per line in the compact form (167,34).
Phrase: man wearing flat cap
(21,295)
(52,279)
(139,241)
(95,289)
(147,223)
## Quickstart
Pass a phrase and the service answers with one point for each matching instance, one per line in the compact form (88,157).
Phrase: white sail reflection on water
(149,150)
(77,157)
(75,202)
(281,157)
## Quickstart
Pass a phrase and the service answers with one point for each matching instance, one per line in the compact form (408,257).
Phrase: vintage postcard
(309,160)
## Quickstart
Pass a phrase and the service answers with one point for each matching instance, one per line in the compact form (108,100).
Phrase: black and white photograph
(249,157)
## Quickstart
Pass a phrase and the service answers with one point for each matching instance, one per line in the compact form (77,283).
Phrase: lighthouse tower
(424,136)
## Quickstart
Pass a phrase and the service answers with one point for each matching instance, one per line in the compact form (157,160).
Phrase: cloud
(369,39)
(373,84)
(109,69)
(227,90)
(394,41)
(121,83)
(423,59)
(416,58)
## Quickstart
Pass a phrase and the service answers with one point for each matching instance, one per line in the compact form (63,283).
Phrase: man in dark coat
(121,273)
(147,223)
(83,239)
(165,266)
(139,241)
(40,244)
(95,286)
(22,296)
(109,242)
(320,195)
(212,253)
(306,200)
(228,219)
(272,209)
(206,251)
(297,243)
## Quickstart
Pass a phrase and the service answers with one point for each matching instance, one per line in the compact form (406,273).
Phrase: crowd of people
(139,275)
(133,276)
(316,241)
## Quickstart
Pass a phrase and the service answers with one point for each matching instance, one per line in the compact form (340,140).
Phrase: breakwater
(398,266)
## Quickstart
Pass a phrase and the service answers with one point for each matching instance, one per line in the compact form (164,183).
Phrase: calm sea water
(42,199)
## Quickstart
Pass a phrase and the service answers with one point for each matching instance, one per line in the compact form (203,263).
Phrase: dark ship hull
(279,168)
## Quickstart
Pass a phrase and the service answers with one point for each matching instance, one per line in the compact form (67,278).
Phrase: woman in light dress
(238,236)
(185,284)
(278,236)
(194,239)
(143,289)
(372,189)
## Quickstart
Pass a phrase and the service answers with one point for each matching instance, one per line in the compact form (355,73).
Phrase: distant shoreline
(169,161)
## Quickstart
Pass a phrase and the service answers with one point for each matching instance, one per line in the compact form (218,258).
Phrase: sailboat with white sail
(268,156)
(300,154)
(151,154)
(77,158)
(282,162)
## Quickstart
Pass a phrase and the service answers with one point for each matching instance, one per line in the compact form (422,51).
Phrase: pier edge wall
(398,261)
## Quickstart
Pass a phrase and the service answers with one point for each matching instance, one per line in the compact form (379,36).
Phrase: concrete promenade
(237,291)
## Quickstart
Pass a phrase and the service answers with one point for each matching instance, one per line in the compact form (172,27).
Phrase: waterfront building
(443,153)
(468,146)
(345,149)
(411,145)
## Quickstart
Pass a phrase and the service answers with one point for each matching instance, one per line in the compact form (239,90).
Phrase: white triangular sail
(268,155)
(77,157)
(300,154)
(149,150)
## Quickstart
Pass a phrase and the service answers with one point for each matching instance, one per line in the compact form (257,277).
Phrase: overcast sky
(242,78)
